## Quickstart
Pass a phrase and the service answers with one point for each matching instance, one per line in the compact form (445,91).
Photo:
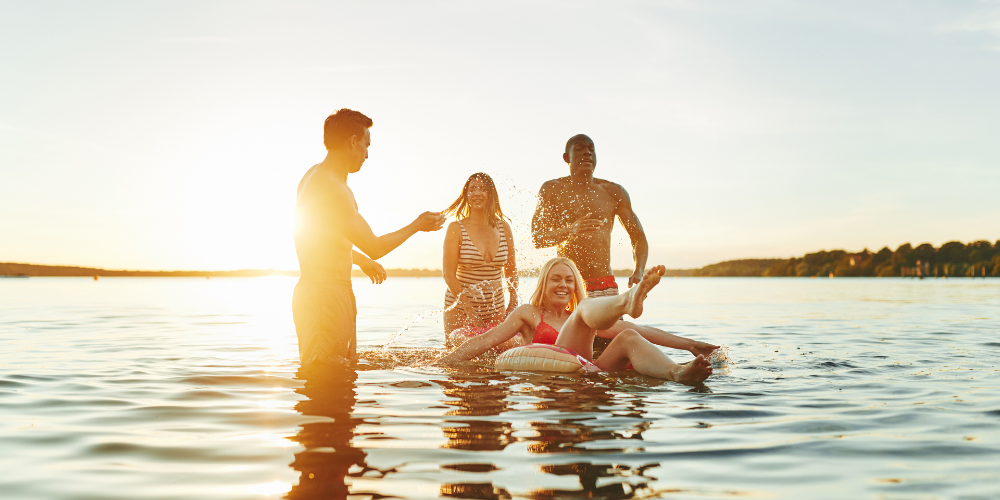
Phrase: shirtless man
(328,227)
(577,213)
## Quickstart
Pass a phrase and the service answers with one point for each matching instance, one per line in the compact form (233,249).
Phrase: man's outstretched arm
(640,246)
(360,233)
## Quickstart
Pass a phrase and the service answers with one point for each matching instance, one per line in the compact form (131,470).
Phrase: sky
(172,134)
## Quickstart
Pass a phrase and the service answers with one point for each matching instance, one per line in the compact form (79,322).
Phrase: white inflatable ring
(542,357)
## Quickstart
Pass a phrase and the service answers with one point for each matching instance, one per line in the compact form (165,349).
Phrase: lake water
(141,388)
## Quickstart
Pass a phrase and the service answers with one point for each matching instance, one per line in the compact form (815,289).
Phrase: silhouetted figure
(577,213)
(327,228)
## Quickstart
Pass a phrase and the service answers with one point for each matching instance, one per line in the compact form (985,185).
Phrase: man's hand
(374,271)
(584,225)
(636,277)
(429,221)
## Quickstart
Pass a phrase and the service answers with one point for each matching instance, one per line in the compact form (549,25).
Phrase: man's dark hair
(341,125)
(575,139)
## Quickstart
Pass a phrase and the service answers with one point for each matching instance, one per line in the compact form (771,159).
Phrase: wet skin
(486,238)
(577,330)
(577,213)
(328,224)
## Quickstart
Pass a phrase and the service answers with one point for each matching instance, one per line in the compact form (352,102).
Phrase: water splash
(719,356)
(380,358)
(721,363)
(420,317)
(474,289)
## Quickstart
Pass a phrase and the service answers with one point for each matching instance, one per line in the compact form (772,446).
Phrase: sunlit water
(138,388)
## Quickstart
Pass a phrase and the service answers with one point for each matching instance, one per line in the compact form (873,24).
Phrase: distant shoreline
(953,259)
(13,269)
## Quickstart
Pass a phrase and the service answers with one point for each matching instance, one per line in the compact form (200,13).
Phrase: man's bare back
(576,213)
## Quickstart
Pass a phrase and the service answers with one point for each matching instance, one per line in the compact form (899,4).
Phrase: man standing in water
(577,213)
(328,226)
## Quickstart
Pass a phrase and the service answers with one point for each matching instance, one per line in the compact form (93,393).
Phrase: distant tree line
(742,267)
(979,258)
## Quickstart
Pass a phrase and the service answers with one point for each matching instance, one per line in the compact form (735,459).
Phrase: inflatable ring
(542,357)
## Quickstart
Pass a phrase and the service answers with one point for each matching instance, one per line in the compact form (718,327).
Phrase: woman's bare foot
(696,370)
(702,348)
(638,294)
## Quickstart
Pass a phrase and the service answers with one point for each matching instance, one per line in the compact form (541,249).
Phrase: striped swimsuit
(481,281)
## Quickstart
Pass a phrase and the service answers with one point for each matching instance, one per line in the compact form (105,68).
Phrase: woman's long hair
(538,297)
(460,208)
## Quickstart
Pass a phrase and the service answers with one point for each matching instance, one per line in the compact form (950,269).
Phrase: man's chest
(593,203)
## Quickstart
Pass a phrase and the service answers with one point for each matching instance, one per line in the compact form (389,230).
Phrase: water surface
(189,388)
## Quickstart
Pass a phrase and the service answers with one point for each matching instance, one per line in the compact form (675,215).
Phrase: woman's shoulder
(528,313)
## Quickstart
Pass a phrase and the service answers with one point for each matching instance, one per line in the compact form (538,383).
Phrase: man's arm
(357,230)
(544,233)
(372,269)
(640,246)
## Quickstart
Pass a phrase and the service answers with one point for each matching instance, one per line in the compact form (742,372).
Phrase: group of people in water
(576,299)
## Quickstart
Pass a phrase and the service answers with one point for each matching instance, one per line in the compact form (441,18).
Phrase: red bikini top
(545,334)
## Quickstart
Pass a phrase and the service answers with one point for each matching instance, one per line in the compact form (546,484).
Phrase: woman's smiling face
(560,285)
(478,194)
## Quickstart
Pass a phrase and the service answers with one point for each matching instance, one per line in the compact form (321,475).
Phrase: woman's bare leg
(647,359)
(601,313)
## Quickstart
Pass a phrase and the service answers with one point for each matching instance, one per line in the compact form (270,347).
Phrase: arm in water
(492,338)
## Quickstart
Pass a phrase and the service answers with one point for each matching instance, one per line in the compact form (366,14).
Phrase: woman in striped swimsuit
(478,261)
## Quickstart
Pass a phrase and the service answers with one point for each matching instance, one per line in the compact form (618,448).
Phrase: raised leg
(601,313)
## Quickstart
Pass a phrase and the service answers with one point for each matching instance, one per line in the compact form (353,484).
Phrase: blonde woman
(478,261)
(560,313)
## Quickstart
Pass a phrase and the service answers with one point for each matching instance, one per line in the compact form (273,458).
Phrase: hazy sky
(172,135)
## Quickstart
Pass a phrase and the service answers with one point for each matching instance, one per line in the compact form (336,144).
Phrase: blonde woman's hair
(460,207)
(538,297)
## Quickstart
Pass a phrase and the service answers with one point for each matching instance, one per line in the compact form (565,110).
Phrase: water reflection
(477,396)
(590,411)
(589,474)
(329,456)
(591,399)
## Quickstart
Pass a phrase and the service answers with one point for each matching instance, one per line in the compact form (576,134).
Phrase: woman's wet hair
(460,207)
(538,296)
